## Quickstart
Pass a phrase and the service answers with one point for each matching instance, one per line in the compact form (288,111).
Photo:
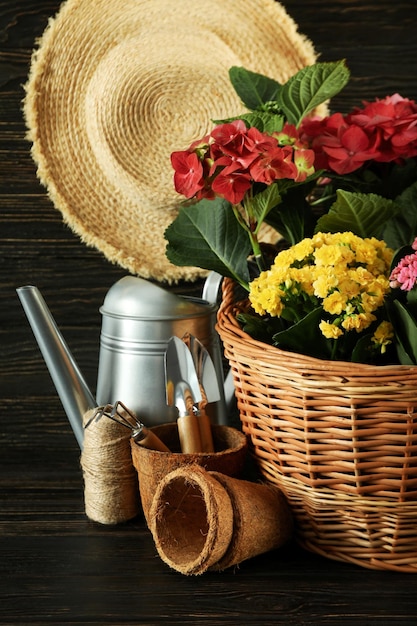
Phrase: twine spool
(111,493)
(208,521)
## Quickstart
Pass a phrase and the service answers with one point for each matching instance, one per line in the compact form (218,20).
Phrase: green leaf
(305,337)
(412,301)
(262,120)
(207,235)
(362,214)
(291,222)
(312,86)
(263,202)
(405,326)
(253,89)
(292,217)
(362,350)
(261,328)
(402,229)
(273,123)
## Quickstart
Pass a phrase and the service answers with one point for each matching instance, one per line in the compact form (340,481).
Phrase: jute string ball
(111,494)
(116,86)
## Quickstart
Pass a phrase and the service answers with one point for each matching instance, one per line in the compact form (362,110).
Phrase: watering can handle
(211,287)
(210,293)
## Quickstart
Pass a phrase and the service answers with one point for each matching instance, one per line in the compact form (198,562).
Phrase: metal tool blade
(180,374)
(183,391)
(205,370)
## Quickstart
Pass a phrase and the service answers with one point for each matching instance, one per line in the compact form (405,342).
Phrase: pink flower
(404,275)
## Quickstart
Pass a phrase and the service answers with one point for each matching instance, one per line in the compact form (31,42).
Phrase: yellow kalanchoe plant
(339,277)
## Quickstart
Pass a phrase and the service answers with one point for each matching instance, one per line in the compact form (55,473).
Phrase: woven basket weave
(339,439)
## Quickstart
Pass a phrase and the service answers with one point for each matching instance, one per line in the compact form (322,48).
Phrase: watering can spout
(72,389)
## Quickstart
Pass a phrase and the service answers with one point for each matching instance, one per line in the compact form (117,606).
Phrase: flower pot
(339,439)
(152,465)
(209,521)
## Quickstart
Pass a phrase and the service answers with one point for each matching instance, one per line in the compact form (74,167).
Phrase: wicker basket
(339,439)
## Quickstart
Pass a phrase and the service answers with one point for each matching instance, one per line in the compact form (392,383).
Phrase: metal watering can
(138,320)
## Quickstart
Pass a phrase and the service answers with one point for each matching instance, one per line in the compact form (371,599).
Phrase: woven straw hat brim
(117,85)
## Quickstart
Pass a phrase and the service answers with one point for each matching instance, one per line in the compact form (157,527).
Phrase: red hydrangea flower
(273,164)
(232,186)
(381,131)
(340,146)
(395,119)
(188,177)
(233,157)
(304,162)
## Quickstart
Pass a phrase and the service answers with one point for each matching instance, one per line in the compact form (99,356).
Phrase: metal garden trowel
(209,386)
(195,366)
(183,392)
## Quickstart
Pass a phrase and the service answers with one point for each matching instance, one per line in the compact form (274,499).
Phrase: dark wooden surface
(56,567)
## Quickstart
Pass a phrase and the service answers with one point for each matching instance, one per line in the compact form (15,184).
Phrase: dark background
(57,567)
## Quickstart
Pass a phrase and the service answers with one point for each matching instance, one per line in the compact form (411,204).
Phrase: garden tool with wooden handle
(183,392)
(209,386)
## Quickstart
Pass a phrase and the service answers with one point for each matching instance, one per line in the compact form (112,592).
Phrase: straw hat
(116,85)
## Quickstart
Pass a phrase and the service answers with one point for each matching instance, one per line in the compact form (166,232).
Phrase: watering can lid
(134,297)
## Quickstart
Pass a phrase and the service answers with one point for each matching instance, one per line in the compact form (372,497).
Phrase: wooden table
(57,567)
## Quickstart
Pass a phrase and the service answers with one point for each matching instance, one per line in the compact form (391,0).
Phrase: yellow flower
(334,254)
(383,335)
(303,277)
(335,303)
(373,298)
(347,273)
(303,249)
(330,331)
(265,297)
(298,252)
(349,285)
(358,321)
(324,284)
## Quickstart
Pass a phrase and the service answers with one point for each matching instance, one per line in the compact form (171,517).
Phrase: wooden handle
(189,433)
(149,440)
(206,436)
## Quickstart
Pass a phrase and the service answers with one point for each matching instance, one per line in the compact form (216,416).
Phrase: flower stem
(334,349)
(250,225)
(257,251)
